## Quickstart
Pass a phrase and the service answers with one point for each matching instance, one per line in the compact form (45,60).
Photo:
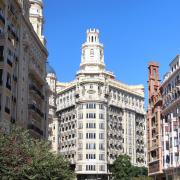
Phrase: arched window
(92,39)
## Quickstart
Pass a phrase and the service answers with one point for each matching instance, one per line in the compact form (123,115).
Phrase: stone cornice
(127,88)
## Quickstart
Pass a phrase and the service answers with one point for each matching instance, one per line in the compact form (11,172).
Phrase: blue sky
(133,32)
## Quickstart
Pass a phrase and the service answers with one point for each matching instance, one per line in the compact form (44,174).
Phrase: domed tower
(92,58)
(36,17)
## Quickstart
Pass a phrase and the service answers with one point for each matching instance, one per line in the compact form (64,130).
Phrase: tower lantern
(92,58)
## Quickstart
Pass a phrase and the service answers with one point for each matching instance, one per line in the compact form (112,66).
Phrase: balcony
(7,110)
(8,86)
(177,83)
(14,99)
(34,88)
(35,128)
(12,31)
(35,73)
(15,78)
(16,58)
(13,120)
(2,18)
(9,62)
(36,109)
(154,167)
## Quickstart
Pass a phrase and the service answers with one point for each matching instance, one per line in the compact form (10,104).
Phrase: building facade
(99,117)
(23,87)
(163,120)
(171,120)
(154,132)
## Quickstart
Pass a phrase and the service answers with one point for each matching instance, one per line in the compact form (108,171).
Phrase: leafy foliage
(139,171)
(122,169)
(22,157)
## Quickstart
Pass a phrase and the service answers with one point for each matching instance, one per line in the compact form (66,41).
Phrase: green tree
(139,171)
(121,168)
(22,157)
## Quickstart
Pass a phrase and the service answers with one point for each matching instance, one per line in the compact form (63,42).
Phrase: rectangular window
(175,142)
(80,146)
(7,105)
(8,81)
(7,102)
(101,106)
(90,156)
(130,150)
(101,157)
(92,52)
(101,125)
(90,135)
(91,106)
(91,125)
(1,76)
(80,116)
(80,156)
(102,168)
(90,167)
(101,116)
(80,126)
(1,53)
(101,146)
(91,115)
(80,136)
(101,135)
(90,145)
(81,106)
(79,168)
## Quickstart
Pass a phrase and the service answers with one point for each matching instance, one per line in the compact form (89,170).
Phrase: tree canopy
(122,169)
(23,157)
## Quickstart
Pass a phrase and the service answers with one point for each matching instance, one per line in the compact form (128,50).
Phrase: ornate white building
(99,117)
